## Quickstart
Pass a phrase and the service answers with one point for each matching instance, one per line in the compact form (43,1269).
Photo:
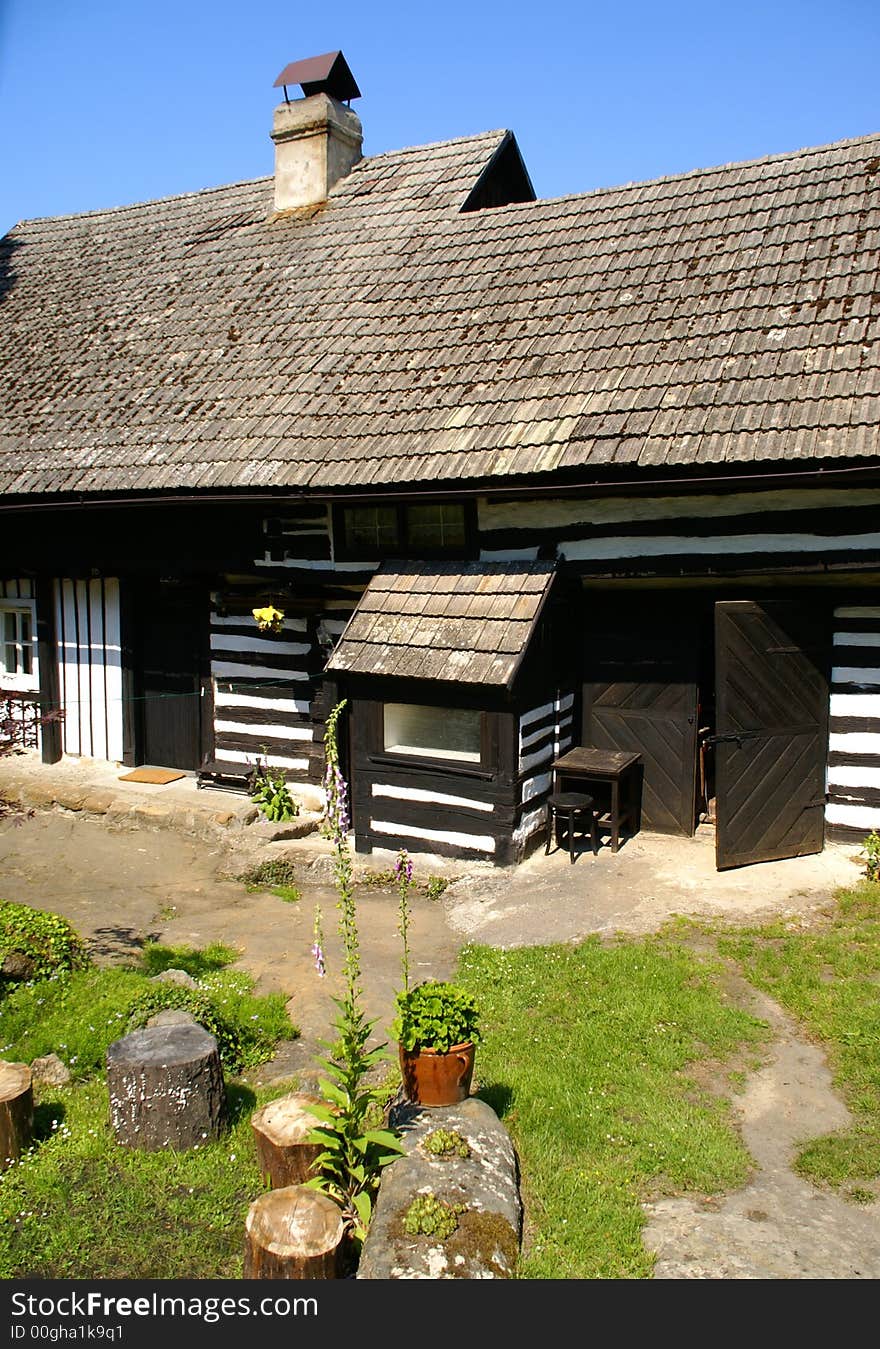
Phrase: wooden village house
(602,470)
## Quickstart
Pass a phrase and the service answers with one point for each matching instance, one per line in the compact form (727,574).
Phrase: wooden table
(613,770)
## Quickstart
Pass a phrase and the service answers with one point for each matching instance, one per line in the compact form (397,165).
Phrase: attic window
(424,530)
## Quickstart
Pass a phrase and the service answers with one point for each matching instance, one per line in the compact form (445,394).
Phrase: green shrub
(266,875)
(46,939)
(271,795)
(78,1014)
(222,1003)
(156,958)
(871,850)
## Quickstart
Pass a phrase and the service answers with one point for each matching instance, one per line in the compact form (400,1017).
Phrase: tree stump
(16,1111)
(166,1088)
(280,1130)
(293,1233)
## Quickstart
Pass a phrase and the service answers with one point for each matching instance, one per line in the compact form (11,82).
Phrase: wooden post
(51,741)
(293,1233)
(16,1111)
(280,1130)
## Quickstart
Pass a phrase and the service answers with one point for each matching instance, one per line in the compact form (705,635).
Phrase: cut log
(16,1111)
(166,1088)
(293,1233)
(280,1132)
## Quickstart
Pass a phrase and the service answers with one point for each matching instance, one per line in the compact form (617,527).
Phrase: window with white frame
(18,645)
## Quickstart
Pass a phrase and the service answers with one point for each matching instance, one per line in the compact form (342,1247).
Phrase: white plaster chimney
(317,138)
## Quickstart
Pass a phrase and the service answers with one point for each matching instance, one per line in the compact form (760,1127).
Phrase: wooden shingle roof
(726,316)
(465,622)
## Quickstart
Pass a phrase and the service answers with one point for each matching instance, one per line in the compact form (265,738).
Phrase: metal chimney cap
(327,74)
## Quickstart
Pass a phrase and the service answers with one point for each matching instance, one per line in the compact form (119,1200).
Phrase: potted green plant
(437,1030)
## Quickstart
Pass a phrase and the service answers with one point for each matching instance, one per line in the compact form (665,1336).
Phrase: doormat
(157,775)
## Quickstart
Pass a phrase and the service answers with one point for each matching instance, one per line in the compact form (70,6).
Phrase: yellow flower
(268,619)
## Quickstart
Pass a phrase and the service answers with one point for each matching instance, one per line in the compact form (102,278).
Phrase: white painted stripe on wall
(228,642)
(528,825)
(527,761)
(477,842)
(549,513)
(855,704)
(855,742)
(853,775)
(222,669)
(431,798)
(275,760)
(312,564)
(555,729)
(534,736)
(855,817)
(270,732)
(509,554)
(854,674)
(535,786)
(239,620)
(596,550)
(858,611)
(545,710)
(224,699)
(857,639)
(536,714)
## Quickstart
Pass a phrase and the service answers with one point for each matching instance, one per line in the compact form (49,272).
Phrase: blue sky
(111,101)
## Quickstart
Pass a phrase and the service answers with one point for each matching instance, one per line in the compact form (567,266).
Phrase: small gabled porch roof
(466,623)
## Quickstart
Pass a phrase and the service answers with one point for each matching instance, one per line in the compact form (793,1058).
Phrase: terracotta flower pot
(430,1078)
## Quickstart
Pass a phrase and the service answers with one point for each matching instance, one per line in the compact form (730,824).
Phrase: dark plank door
(640,694)
(172,626)
(772,729)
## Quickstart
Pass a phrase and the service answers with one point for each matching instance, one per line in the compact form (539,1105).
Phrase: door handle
(731,736)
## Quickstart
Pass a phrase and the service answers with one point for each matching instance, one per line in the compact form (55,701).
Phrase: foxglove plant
(403,873)
(353,1154)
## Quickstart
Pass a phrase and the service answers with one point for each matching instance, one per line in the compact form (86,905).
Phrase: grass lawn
(80,1206)
(586,1056)
(608,1061)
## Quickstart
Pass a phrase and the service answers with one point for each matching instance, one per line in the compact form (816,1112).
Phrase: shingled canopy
(464,622)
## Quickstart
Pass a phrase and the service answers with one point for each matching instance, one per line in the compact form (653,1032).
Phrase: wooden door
(771,730)
(172,624)
(640,694)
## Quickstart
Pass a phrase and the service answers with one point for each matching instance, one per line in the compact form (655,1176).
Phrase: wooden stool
(570,804)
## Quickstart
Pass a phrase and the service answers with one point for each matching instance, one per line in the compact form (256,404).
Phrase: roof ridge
(696,173)
(139,205)
(437,145)
(245,182)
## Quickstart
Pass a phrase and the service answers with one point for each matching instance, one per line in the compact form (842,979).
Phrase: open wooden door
(640,694)
(771,730)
